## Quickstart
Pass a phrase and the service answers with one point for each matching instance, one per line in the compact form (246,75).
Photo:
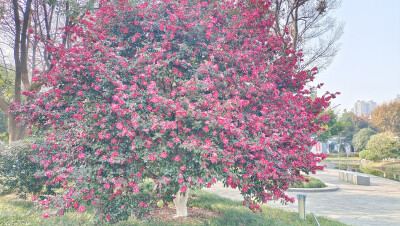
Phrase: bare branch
(7,68)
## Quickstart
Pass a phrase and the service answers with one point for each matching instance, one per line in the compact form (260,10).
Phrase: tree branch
(7,68)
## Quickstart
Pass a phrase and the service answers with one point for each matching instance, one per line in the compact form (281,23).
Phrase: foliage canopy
(186,93)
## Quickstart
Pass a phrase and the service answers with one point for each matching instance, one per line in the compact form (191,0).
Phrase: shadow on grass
(20,212)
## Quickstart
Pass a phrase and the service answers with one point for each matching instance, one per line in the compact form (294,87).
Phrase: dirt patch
(195,215)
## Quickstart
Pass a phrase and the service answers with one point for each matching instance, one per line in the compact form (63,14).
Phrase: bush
(17,171)
(368,155)
(382,145)
(313,183)
(363,154)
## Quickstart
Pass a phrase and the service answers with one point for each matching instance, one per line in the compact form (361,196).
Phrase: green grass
(20,212)
(334,157)
(314,183)
(234,213)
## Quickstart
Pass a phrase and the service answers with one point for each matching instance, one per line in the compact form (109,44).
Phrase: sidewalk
(378,204)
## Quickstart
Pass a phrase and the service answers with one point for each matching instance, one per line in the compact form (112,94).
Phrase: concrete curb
(329,188)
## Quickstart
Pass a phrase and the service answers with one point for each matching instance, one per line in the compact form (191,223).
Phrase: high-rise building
(397,98)
(362,107)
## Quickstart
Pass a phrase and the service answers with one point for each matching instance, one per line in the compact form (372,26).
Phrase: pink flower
(183,167)
(48,173)
(205,129)
(152,157)
(107,186)
(46,215)
(81,209)
(177,158)
(183,189)
(78,116)
(172,19)
(81,155)
(164,154)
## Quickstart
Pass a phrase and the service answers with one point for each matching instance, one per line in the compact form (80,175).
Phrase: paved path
(378,204)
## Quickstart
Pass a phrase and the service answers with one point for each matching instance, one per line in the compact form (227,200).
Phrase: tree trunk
(15,132)
(180,204)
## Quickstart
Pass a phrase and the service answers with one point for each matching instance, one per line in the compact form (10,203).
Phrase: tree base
(181,204)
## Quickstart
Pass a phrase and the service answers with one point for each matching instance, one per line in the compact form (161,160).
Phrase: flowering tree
(185,93)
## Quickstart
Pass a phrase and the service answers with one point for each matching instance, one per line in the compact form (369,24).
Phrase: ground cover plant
(183,92)
(204,209)
(312,183)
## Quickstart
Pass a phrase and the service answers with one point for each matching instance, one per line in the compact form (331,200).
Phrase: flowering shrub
(183,92)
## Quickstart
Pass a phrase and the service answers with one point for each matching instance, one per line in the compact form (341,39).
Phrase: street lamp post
(396,138)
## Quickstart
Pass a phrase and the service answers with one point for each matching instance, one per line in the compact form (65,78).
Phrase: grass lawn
(393,167)
(333,157)
(204,209)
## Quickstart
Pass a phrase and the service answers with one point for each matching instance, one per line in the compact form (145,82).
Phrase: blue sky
(367,66)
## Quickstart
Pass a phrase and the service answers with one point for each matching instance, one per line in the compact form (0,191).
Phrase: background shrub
(17,171)
(313,183)
(372,156)
(363,154)
(382,145)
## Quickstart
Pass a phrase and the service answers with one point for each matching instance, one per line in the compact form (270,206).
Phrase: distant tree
(342,128)
(3,126)
(386,117)
(345,129)
(382,145)
(6,91)
(361,138)
(359,122)
(328,130)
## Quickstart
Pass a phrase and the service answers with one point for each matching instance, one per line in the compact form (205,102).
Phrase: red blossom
(81,209)
(46,215)
(183,189)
